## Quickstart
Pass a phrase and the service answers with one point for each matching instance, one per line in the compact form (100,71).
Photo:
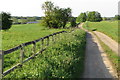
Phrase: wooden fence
(21,48)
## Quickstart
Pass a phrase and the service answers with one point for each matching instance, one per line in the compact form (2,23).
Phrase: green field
(62,59)
(109,28)
(23,33)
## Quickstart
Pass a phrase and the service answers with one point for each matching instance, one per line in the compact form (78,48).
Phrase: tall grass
(63,59)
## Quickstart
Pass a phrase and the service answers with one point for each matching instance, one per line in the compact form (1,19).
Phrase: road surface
(97,65)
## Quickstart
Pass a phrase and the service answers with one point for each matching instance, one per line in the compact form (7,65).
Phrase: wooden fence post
(34,47)
(59,36)
(47,41)
(42,43)
(1,63)
(53,38)
(21,54)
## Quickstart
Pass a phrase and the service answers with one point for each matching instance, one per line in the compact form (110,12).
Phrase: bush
(6,21)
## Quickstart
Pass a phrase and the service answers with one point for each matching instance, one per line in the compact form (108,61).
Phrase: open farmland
(23,33)
(109,28)
(45,41)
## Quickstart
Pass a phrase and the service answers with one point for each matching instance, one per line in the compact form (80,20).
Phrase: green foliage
(82,17)
(94,16)
(63,59)
(89,16)
(73,22)
(15,20)
(117,17)
(23,21)
(6,20)
(104,18)
(55,17)
(68,25)
(30,19)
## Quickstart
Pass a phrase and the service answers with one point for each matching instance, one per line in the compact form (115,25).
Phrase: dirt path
(97,65)
(113,45)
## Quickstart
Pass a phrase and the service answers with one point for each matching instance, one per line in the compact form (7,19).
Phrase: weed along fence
(45,41)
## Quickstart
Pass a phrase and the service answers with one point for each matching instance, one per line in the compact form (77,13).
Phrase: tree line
(93,16)
(24,20)
(56,17)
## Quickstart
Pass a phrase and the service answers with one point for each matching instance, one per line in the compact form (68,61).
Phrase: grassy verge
(106,27)
(112,57)
(63,59)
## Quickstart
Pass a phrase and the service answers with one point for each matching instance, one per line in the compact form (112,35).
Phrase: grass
(23,33)
(19,34)
(63,59)
(109,28)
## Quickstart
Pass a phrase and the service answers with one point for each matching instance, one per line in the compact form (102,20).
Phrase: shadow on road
(94,66)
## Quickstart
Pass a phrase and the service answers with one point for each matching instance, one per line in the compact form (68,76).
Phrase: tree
(66,15)
(6,21)
(98,17)
(104,18)
(82,17)
(73,22)
(48,9)
(94,16)
(30,19)
(117,17)
(54,16)
(91,16)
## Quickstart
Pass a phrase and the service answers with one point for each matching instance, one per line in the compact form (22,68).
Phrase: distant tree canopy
(6,20)
(94,17)
(90,16)
(82,17)
(15,20)
(55,17)
(117,17)
(24,20)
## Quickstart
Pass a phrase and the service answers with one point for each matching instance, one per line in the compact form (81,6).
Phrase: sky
(107,8)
